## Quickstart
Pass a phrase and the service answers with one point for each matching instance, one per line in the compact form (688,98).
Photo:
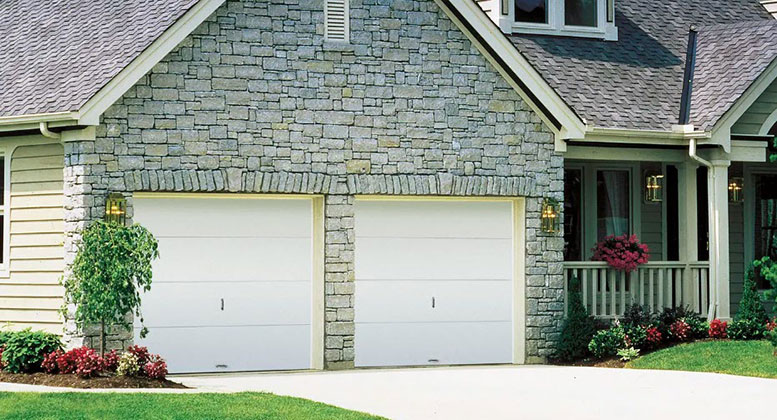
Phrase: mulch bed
(74,381)
(607,363)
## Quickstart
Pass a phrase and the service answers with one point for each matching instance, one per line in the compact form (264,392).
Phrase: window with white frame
(582,18)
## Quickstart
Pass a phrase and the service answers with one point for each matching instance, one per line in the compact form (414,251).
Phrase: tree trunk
(102,338)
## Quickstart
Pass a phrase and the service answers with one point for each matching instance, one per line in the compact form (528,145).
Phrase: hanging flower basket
(623,253)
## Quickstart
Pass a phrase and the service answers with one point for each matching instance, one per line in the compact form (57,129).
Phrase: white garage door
(232,288)
(433,282)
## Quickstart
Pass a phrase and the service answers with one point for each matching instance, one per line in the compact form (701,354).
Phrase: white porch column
(689,228)
(719,238)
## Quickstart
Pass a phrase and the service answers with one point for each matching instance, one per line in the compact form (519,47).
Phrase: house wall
(736,215)
(256,101)
(652,216)
(31,295)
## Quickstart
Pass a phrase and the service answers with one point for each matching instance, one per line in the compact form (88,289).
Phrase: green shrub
(746,329)
(636,315)
(636,336)
(4,336)
(628,354)
(671,315)
(577,330)
(24,350)
(699,327)
(606,343)
(751,308)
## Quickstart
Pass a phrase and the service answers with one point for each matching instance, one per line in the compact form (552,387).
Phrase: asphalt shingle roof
(635,82)
(729,58)
(56,54)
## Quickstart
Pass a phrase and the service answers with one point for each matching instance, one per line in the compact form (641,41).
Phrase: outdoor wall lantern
(736,190)
(654,185)
(116,209)
(550,216)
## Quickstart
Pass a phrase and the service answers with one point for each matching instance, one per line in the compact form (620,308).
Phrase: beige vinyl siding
(652,217)
(31,296)
(755,116)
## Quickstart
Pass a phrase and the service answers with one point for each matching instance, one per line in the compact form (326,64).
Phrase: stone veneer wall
(256,101)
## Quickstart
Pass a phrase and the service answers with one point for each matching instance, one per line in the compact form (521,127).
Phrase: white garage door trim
(519,259)
(317,286)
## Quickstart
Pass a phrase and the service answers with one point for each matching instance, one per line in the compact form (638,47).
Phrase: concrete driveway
(516,392)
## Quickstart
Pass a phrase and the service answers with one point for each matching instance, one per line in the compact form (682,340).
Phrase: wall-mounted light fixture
(654,187)
(116,209)
(736,193)
(551,219)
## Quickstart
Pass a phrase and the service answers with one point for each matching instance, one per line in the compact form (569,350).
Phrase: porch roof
(636,82)
(729,59)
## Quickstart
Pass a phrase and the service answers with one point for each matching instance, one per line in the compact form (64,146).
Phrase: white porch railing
(656,285)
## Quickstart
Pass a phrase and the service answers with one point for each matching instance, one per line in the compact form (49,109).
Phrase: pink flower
(624,253)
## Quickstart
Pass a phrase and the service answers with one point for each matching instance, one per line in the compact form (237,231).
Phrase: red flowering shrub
(623,253)
(49,363)
(141,353)
(111,361)
(89,363)
(653,336)
(718,328)
(68,361)
(680,330)
(771,325)
(2,365)
(156,367)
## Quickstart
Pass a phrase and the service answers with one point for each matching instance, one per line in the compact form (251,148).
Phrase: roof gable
(57,54)
(635,82)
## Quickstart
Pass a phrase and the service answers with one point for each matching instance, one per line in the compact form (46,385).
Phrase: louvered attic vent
(336,20)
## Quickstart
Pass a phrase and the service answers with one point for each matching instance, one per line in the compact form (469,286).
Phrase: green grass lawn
(166,406)
(745,358)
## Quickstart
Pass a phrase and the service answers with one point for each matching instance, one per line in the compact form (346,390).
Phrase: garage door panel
(250,259)
(443,219)
(270,303)
(400,344)
(219,349)
(429,259)
(405,301)
(206,217)
(256,255)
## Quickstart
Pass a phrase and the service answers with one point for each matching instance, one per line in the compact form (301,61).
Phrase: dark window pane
(2,181)
(580,12)
(613,207)
(702,214)
(531,11)
(2,238)
(672,214)
(573,215)
(765,220)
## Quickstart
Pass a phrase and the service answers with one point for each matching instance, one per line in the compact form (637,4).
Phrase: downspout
(685,116)
(44,130)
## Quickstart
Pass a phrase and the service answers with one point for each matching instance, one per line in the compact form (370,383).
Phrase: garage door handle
(222,304)
(432,301)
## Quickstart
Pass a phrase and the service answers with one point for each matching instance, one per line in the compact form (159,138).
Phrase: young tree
(110,271)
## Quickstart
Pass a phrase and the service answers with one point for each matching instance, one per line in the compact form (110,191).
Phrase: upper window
(583,18)
(531,11)
(580,13)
